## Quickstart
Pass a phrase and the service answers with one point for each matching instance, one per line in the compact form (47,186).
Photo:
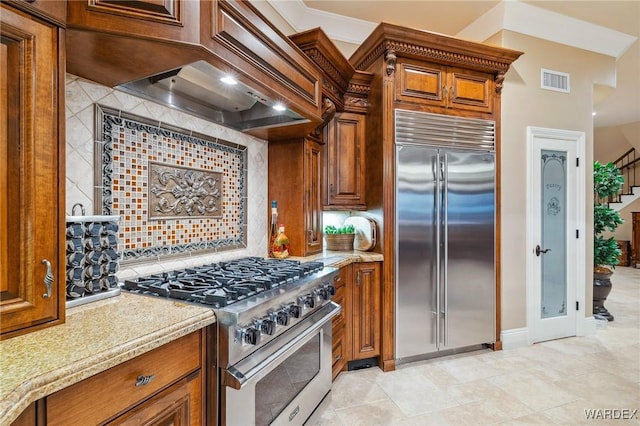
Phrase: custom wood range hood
(175,52)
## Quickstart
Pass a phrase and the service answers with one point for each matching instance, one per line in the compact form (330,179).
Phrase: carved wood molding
(327,66)
(389,39)
(393,48)
(356,99)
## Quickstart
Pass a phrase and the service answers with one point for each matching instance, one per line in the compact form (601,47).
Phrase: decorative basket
(340,242)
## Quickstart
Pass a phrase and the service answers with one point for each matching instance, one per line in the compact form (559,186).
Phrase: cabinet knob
(48,278)
(144,380)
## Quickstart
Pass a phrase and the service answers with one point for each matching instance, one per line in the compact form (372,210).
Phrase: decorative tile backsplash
(175,191)
(249,179)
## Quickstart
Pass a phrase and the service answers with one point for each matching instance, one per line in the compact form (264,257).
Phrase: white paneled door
(555,238)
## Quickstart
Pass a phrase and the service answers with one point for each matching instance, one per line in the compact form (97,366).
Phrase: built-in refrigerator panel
(445,234)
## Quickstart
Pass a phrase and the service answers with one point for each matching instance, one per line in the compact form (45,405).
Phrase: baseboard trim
(514,338)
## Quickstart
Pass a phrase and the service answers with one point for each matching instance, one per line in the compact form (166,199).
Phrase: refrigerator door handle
(438,208)
(445,247)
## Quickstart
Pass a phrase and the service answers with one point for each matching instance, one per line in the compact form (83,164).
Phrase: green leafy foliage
(607,181)
(346,229)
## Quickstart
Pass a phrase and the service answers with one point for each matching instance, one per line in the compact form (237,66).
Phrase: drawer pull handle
(144,380)
(48,278)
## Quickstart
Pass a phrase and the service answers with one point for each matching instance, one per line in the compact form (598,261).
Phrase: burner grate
(223,283)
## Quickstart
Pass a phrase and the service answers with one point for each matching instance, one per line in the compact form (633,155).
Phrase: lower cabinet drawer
(105,395)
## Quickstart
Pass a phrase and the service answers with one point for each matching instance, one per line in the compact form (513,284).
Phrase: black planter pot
(601,289)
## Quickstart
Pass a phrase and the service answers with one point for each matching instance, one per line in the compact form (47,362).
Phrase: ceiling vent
(554,80)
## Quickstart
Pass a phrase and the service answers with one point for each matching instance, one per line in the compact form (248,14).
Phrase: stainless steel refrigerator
(445,234)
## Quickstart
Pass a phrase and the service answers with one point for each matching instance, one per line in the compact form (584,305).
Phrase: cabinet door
(419,82)
(470,90)
(175,20)
(179,405)
(313,196)
(345,139)
(31,167)
(366,310)
(444,87)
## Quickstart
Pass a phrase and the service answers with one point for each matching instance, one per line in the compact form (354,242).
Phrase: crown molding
(509,15)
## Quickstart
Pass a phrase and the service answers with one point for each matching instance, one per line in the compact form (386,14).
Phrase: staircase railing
(629,166)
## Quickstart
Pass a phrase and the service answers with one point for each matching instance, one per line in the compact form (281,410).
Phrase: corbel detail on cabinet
(499,80)
(390,59)
(328,111)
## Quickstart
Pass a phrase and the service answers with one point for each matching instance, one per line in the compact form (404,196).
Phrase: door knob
(539,250)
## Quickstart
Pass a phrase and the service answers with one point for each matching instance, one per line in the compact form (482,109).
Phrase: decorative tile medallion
(176,191)
(182,192)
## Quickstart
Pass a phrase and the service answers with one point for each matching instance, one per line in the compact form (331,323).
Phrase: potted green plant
(340,238)
(607,181)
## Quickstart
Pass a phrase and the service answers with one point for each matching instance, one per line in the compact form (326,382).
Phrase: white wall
(524,104)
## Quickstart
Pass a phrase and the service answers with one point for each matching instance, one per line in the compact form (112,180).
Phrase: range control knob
(308,301)
(266,326)
(323,293)
(295,311)
(330,288)
(251,335)
(281,317)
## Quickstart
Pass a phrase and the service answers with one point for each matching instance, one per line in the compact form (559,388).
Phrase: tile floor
(547,383)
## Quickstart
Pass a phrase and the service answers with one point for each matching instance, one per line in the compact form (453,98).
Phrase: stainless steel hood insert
(198,89)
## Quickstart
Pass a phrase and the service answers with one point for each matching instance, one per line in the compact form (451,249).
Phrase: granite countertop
(102,334)
(94,338)
(339,259)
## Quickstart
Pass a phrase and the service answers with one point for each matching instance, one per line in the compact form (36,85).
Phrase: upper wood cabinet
(443,86)
(51,10)
(32,172)
(345,163)
(295,182)
(231,35)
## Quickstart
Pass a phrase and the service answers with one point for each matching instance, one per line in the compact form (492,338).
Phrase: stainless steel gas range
(273,332)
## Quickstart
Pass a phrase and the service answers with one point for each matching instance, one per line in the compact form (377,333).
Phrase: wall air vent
(554,80)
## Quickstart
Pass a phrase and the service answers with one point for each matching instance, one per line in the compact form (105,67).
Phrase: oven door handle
(235,378)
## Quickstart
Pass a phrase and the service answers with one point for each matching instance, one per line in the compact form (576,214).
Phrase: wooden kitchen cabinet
(163,386)
(341,323)
(32,171)
(345,162)
(366,310)
(443,86)
(52,9)
(176,20)
(295,182)
(357,330)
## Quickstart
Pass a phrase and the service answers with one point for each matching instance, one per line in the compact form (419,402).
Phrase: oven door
(283,382)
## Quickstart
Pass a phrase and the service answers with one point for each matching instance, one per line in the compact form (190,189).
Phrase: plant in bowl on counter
(340,238)
(345,229)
